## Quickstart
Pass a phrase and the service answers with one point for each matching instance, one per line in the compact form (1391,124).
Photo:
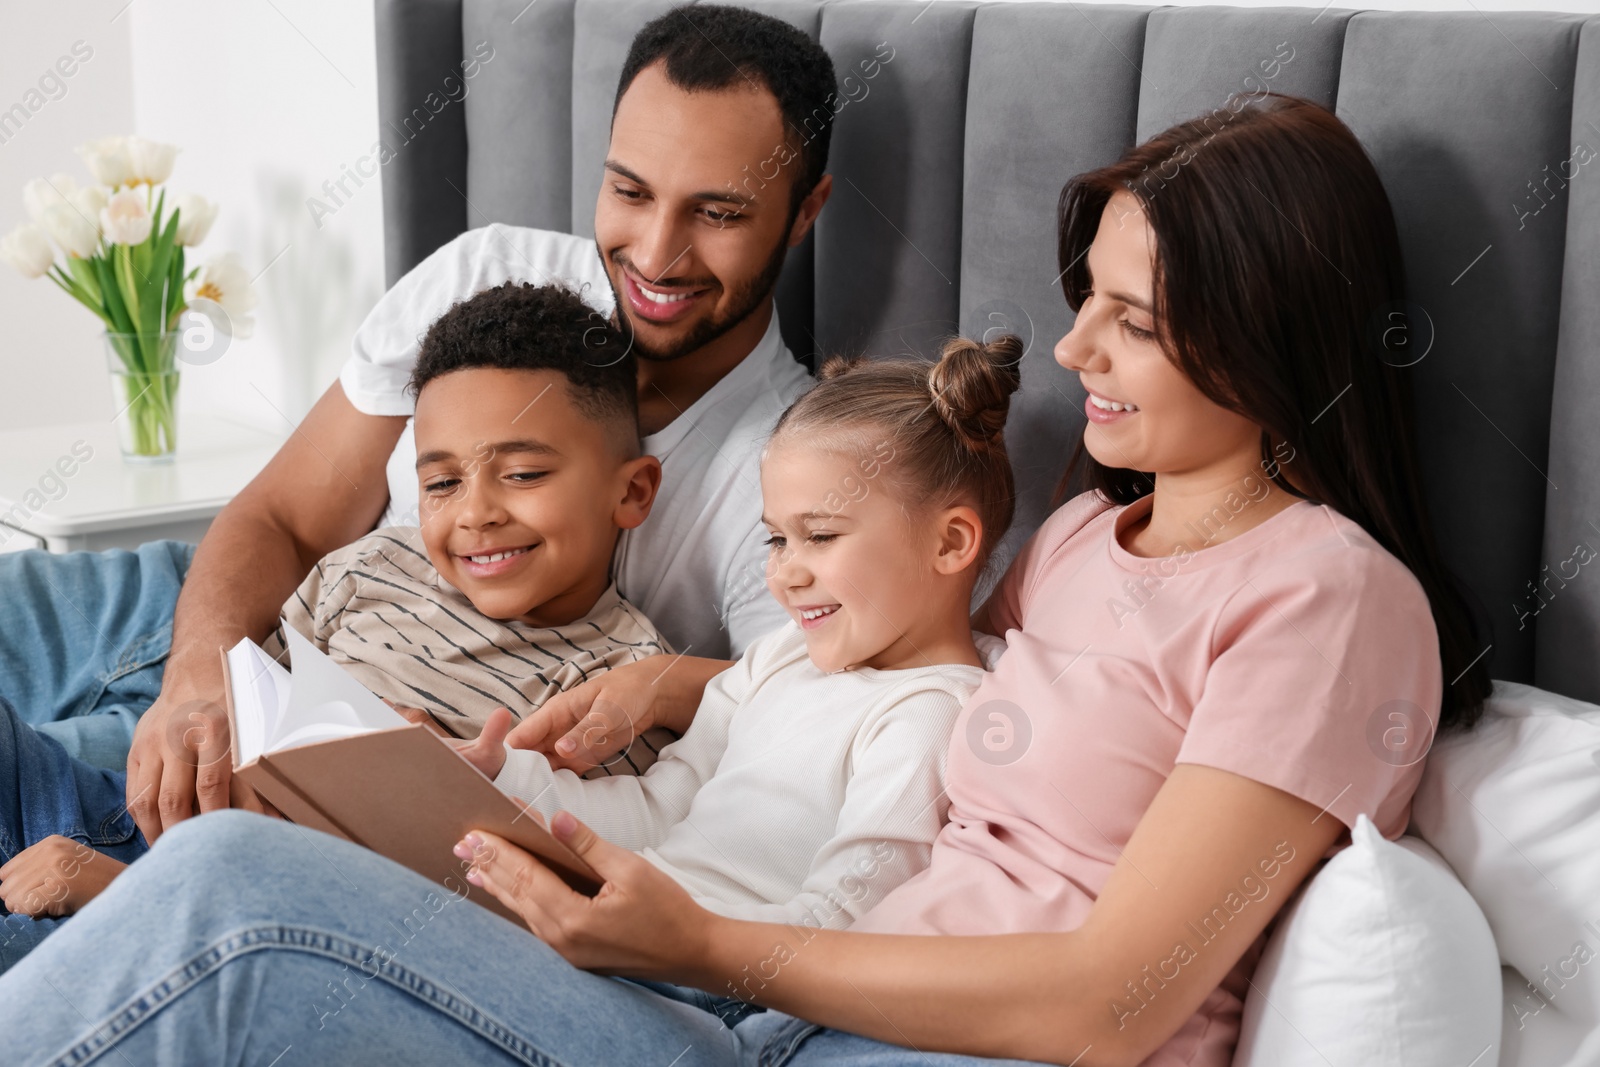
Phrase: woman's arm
(1214,858)
(581,727)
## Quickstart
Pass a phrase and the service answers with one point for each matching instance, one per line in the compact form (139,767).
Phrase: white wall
(51,364)
(269,99)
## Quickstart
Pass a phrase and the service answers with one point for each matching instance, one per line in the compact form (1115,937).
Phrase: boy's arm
(324,488)
(894,806)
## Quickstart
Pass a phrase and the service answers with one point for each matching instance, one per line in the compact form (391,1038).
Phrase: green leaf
(116,311)
(139,257)
(74,289)
(176,303)
(156,296)
(83,273)
(129,288)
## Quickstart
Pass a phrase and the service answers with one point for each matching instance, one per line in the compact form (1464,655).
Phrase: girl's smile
(855,570)
(813,617)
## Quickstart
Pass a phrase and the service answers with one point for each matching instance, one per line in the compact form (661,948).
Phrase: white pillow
(1514,806)
(1381,960)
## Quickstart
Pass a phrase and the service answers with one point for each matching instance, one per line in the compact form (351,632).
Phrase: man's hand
(487,751)
(55,877)
(588,723)
(181,764)
(324,488)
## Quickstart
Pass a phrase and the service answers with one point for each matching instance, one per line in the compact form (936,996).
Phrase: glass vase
(144,392)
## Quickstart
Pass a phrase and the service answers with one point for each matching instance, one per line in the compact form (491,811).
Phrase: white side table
(66,488)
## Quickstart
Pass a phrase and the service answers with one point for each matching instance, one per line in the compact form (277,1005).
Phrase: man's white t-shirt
(696,567)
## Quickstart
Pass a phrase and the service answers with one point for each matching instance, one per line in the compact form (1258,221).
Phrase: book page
(276,710)
(325,702)
(260,697)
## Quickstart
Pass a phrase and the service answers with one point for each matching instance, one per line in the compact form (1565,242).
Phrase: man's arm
(325,488)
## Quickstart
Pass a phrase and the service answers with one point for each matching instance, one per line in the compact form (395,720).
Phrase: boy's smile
(492,562)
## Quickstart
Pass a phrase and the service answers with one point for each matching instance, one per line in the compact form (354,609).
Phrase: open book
(328,754)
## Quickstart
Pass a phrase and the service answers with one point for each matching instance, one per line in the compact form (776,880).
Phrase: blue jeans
(44,791)
(84,638)
(242,940)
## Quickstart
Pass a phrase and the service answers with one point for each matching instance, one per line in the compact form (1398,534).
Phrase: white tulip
(42,192)
(125,218)
(76,231)
(108,160)
(75,224)
(90,200)
(224,281)
(195,216)
(150,161)
(26,249)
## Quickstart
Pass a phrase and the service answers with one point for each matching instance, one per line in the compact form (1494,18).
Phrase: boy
(529,467)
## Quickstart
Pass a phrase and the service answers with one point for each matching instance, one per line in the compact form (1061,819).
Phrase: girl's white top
(796,796)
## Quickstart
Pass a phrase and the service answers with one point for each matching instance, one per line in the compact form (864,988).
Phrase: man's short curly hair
(520,326)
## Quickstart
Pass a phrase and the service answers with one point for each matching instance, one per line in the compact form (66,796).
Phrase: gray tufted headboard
(948,162)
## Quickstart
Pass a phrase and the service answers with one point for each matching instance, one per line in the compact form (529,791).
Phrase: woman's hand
(56,877)
(487,751)
(588,723)
(641,924)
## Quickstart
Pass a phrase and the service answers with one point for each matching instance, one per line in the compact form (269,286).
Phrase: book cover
(328,754)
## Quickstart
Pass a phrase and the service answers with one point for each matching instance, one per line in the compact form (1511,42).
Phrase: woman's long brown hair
(1277,278)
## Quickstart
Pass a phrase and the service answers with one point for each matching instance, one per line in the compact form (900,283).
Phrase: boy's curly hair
(520,326)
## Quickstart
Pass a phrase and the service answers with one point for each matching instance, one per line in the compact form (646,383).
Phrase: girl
(811,782)
(1100,892)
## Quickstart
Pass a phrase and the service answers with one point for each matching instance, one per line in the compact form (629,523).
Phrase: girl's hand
(588,723)
(641,924)
(55,877)
(487,751)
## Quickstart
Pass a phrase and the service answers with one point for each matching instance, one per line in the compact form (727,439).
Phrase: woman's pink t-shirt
(1278,655)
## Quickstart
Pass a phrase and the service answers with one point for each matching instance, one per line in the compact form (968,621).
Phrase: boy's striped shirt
(379,609)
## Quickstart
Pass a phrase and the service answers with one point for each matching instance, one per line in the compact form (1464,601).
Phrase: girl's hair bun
(942,423)
(972,385)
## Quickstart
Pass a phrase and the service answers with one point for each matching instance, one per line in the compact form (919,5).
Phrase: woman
(1209,656)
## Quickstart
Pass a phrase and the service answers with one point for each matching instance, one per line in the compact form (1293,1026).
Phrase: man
(686,253)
